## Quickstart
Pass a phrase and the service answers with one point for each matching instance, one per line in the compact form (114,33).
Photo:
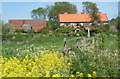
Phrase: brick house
(35,24)
(79,19)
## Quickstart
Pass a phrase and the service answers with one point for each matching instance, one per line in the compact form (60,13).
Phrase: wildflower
(77,72)
(56,75)
(81,74)
(72,76)
(94,72)
(89,75)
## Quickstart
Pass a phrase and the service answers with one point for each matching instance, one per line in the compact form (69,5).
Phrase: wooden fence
(83,41)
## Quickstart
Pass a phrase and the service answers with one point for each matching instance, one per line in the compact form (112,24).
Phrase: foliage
(114,24)
(30,31)
(103,62)
(82,34)
(20,30)
(43,31)
(91,8)
(102,59)
(43,64)
(60,8)
(52,12)
(102,28)
(6,28)
(64,30)
(39,13)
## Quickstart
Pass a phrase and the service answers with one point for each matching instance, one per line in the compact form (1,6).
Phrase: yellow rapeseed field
(44,64)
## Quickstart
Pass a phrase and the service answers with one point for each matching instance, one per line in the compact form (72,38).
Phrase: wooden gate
(84,42)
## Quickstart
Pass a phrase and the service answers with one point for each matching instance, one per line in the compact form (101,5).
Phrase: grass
(103,60)
(43,42)
(13,43)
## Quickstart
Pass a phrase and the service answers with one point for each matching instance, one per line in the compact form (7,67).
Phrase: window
(67,24)
(86,24)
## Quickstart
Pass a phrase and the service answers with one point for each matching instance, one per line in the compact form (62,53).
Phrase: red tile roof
(36,24)
(80,17)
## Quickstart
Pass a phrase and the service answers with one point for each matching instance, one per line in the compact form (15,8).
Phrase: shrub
(19,30)
(43,31)
(104,62)
(30,31)
(63,30)
(43,64)
(102,28)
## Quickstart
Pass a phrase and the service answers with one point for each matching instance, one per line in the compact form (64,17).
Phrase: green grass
(16,43)
(43,42)
(102,60)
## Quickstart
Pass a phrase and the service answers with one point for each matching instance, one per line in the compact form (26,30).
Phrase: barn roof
(80,18)
(36,24)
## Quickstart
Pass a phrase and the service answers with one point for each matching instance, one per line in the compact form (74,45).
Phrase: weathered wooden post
(83,43)
(93,41)
(97,42)
(76,43)
(64,44)
(88,32)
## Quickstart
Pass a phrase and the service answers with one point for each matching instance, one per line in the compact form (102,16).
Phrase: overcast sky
(22,10)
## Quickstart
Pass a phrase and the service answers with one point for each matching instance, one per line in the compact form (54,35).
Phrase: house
(35,24)
(79,19)
(77,29)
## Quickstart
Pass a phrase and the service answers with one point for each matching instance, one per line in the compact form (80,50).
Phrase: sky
(22,10)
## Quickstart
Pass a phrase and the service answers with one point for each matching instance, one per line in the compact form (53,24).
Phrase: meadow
(45,52)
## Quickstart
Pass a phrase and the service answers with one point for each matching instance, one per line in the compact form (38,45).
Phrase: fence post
(64,44)
(83,42)
(88,32)
(97,42)
(93,41)
(76,43)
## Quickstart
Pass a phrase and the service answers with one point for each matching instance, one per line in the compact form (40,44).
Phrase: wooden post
(64,44)
(88,32)
(93,41)
(83,42)
(76,43)
(97,42)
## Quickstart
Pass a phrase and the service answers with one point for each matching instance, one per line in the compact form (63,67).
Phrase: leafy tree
(114,24)
(6,28)
(39,13)
(91,8)
(51,12)
(60,8)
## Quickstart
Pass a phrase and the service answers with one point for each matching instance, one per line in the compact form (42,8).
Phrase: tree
(39,13)
(7,28)
(51,12)
(91,8)
(60,8)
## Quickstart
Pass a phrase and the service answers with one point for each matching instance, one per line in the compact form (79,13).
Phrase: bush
(64,30)
(102,28)
(79,34)
(20,30)
(43,31)
(43,64)
(6,28)
(103,62)
(30,31)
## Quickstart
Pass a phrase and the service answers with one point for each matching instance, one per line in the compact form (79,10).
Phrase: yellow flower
(94,72)
(77,72)
(89,75)
(56,75)
(72,76)
(81,74)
